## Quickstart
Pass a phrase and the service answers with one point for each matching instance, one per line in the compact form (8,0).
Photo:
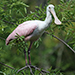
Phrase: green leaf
(2,73)
(25,10)
(62,1)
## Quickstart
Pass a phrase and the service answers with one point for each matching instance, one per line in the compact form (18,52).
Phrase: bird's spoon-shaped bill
(57,21)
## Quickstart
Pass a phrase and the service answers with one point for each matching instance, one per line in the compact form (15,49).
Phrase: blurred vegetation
(54,56)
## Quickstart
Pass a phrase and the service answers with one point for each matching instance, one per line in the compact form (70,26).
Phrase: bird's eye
(49,8)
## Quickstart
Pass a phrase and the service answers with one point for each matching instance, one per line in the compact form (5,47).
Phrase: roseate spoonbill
(33,29)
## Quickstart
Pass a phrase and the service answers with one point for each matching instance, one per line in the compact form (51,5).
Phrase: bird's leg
(29,53)
(31,66)
(25,56)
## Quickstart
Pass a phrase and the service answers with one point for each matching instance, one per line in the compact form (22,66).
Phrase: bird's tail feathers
(8,40)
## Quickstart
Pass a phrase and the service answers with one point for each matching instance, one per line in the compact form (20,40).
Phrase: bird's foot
(27,66)
(31,67)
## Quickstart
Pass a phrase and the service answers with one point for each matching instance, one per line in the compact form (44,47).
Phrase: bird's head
(50,8)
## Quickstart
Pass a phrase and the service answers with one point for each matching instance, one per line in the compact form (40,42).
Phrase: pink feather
(24,29)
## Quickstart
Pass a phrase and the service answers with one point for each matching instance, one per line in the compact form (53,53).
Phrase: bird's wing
(26,29)
(23,29)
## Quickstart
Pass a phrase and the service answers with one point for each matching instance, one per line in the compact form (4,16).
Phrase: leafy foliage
(14,12)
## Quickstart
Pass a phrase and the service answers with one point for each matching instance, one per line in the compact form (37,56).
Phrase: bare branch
(68,21)
(27,66)
(9,22)
(30,67)
(2,38)
(6,65)
(60,40)
(36,68)
(9,67)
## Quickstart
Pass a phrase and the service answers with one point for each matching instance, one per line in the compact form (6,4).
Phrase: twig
(2,38)
(68,21)
(30,67)
(6,65)
(9,22)
(9,67)
(36,68)
(22,68)
(60,40)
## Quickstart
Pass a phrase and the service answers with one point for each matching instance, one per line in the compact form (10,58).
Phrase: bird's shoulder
(30,23)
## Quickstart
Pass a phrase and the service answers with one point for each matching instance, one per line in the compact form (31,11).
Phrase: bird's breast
(35,35)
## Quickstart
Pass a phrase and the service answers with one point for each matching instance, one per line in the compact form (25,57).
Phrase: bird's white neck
(48,19)
(46,23)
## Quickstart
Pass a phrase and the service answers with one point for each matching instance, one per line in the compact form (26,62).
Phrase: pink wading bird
(33,29)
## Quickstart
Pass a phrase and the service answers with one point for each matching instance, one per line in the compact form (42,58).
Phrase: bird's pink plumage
(25,29)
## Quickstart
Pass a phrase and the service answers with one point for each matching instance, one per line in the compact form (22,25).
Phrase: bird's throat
(48,19)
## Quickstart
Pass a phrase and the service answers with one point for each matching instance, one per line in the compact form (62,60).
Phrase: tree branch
(9,22)
(27,66)
(9,67)
(36,68)
(6,65)
(61,41)
(68,21)
(2,38)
